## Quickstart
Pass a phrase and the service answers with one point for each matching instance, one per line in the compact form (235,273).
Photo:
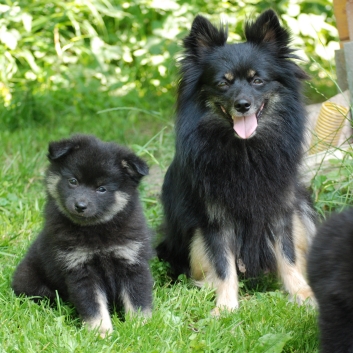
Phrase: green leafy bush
(125,48)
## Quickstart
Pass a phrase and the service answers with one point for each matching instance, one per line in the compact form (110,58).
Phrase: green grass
(181,321)
(54,98)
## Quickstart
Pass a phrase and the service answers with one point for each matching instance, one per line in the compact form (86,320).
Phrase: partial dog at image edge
(330,273)
(232,197)
(95,244)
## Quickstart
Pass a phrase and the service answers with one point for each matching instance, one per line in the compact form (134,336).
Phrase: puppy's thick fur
(95,245)
(330,273)
(231,196)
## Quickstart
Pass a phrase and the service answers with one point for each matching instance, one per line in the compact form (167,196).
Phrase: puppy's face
(92,181)
(86,202)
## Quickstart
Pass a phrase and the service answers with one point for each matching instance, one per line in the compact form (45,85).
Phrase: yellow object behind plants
(328,126)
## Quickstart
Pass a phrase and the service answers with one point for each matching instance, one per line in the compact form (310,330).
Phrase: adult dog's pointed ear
(135,167)
(204,35)
(267,29)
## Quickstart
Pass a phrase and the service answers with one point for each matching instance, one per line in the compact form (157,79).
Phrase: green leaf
(272,343)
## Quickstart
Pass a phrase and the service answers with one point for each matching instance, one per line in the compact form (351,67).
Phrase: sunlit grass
(181,320)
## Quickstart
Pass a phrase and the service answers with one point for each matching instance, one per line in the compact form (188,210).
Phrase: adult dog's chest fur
(244,180)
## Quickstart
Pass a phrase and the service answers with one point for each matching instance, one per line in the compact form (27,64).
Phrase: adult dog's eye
(101,189)
(73,182)
(223,84)
(257,81)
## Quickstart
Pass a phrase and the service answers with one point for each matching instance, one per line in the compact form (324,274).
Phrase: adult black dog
(231,197)
(330,272)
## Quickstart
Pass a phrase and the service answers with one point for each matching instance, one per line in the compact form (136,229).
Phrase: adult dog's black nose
(80,206)
(242,105)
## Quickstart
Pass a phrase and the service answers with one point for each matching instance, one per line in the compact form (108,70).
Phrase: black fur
(330,272)
(249,182)
(88,242)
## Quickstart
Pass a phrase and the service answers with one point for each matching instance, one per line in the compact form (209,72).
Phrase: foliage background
(128,50)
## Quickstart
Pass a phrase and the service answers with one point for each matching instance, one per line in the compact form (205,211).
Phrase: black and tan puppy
(330,272)
(232,196)
(95,245)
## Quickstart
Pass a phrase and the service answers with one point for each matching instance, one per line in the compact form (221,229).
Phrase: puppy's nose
(80,206)
(242,105)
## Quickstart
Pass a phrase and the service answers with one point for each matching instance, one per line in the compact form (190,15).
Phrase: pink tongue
(244,126)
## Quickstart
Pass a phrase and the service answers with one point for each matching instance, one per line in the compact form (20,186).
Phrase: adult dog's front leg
(213,263)
(290,253)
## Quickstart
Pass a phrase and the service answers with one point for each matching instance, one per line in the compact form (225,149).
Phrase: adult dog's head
(247,85)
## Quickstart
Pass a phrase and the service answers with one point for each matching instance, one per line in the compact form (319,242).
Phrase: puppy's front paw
(104,325)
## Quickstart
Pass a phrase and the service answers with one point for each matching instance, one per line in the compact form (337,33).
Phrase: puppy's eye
(101,189)
(73,182)
(257,81)
(223,84)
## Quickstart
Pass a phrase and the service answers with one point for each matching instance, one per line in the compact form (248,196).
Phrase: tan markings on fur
(241,266)
(75,258)
(81,255)
(300,238)
(121,200)
(229,76)
(124,163)
(129,252)
(52,184)
(227,290)
(251,73)
(203,273)
(307,217)
(199,263)
(292,278)
(130,309)
(102,321)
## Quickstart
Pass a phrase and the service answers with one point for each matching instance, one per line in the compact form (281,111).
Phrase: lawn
(112,73)
(181,321)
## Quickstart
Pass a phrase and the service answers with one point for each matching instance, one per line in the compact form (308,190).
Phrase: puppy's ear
(58,149)
(135,167)
(203,35)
